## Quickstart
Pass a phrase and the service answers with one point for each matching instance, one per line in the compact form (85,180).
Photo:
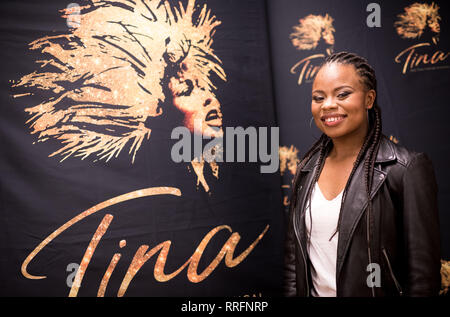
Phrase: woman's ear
(370,98)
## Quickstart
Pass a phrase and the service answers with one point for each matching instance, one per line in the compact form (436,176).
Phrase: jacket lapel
(308,172)
(355,200)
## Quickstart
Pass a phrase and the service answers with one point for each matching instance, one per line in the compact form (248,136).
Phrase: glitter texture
(102,80)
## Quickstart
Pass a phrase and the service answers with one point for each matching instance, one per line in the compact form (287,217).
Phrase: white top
(322,252)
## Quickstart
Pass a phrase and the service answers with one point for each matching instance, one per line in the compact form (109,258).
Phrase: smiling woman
(339,84)
(363,214)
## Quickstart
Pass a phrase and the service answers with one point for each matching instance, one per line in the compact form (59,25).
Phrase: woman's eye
(187,90)
(317,98)
(343,94)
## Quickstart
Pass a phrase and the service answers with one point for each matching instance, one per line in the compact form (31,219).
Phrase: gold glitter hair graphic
(100,82)
(445,277)
(311,30)
(416,19)
(288,159)
(288,165)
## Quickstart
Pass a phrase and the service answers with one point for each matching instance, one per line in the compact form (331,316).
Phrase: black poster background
(414,105)
(39,194)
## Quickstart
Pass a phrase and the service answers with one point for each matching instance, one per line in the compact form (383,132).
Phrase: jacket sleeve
(421,228)
(289,274)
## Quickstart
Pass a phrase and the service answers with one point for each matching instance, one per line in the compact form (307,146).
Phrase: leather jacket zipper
(303,256)
(399,289)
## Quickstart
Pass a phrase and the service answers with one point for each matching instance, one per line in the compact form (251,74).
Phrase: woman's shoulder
(405,155)
(409,163)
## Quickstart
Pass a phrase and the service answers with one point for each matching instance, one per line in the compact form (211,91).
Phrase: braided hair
(371,143)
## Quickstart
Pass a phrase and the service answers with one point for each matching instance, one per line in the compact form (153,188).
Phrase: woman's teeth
(332,119)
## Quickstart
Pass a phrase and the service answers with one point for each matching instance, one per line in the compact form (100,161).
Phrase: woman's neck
(347,147)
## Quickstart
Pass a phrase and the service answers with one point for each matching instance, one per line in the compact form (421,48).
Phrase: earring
(310,129)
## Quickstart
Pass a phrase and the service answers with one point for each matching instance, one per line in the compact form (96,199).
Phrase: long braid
(369,166)
(355,166)
(370,146)
(296,181)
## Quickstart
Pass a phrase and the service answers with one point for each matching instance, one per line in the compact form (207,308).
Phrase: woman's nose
(328,103)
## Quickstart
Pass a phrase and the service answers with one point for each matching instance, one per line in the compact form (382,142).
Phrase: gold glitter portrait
(417,18)
(100,82)
(311,30)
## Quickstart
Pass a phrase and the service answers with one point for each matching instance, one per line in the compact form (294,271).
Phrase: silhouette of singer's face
(338,91)
(433,24)
(196,101)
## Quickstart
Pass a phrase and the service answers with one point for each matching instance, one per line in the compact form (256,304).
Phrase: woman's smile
(333,120)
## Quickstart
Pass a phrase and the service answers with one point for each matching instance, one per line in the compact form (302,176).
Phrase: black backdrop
(414,104)
(39,193)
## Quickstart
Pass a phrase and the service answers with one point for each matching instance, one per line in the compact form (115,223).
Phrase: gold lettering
(306,62)
(414,59)
(227,251)
(132,195)
(422,58)
(88,254)
(139,260)
(438,56)
(109,271)
(411,51)
(141,256)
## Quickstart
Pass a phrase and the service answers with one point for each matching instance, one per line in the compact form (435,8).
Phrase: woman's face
(340,101)
(199,105)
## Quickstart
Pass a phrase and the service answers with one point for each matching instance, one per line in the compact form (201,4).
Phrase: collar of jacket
(355,200)
(385,154)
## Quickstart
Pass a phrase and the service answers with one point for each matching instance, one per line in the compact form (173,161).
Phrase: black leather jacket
(405,239)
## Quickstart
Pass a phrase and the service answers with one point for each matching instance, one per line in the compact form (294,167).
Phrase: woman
(339,241)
